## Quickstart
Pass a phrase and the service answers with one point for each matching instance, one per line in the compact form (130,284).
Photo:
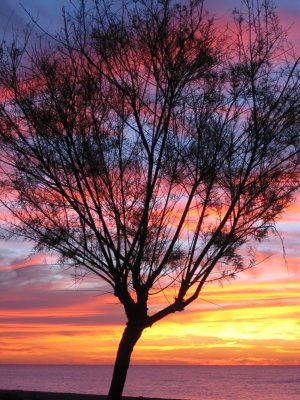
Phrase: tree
(144,145)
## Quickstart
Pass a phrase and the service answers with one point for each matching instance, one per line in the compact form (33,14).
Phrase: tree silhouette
(148,146)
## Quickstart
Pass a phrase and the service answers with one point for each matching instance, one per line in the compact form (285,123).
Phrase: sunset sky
(46,317)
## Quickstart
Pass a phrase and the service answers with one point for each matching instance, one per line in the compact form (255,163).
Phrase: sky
(46,317)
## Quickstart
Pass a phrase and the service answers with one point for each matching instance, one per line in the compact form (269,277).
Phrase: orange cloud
(239,323)
(46,318)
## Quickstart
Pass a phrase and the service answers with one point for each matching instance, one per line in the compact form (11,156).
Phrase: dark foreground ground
(25,395)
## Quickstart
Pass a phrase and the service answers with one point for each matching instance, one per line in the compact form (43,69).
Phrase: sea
(163,381)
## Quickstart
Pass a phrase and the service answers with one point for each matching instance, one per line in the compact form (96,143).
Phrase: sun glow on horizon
(254,320)
(242,323)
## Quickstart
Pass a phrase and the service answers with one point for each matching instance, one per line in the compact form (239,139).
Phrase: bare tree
(147,147)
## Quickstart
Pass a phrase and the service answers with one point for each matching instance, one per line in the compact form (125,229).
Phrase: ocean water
(177,382)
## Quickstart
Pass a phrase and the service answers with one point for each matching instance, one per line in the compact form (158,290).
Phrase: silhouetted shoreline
(33,395)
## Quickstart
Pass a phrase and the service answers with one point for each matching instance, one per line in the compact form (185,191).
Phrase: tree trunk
(130,336)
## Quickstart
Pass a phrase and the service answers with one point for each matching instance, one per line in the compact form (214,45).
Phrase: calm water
(181,382)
